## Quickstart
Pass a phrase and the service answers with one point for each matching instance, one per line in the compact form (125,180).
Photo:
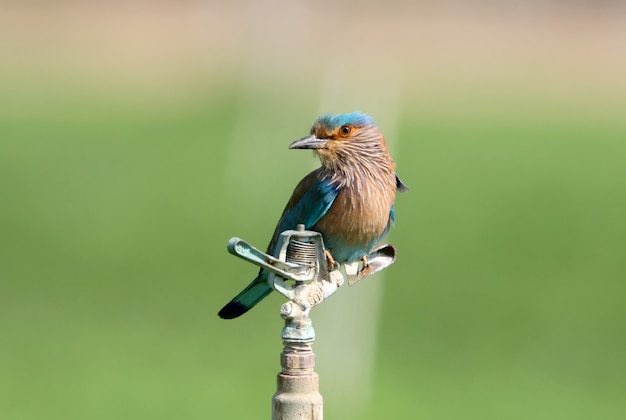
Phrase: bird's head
(342,137)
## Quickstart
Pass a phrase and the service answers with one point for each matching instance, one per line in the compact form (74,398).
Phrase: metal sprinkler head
(302,258)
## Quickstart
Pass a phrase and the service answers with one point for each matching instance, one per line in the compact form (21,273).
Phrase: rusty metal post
(297,385)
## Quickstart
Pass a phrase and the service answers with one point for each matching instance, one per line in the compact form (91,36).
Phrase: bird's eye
(345,130)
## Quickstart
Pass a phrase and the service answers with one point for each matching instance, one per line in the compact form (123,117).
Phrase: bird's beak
(309,142)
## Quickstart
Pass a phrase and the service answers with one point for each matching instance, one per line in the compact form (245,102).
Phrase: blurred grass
(514,298)
(506,300)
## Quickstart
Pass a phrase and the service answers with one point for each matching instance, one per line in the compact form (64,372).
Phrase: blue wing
(400,187)
(309,203)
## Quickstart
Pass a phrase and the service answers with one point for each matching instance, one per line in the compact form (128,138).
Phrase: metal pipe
(297,385)
(297,394)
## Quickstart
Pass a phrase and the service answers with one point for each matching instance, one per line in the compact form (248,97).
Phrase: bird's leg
(366,270)
(330,259)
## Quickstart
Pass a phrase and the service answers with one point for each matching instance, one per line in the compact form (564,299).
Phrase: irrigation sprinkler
(302,259)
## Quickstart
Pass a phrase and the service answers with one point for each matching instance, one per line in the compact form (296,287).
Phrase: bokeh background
(137,137)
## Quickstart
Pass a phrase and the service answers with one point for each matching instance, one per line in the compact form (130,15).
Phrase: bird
(349,199)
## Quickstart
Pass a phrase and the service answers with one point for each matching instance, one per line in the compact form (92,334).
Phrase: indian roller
(349,199)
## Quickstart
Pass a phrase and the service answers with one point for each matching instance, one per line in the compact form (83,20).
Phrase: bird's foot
(377,260)
(365,262)
(331,261)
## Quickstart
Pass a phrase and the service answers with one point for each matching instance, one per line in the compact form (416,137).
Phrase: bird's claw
(377,260)
(332,264)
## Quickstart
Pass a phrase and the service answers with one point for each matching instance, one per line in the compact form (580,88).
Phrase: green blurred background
(136,138)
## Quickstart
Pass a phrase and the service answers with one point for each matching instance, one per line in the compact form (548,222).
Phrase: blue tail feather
(250,296)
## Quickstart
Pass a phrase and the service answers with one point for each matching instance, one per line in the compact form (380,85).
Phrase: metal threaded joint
(297,363)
